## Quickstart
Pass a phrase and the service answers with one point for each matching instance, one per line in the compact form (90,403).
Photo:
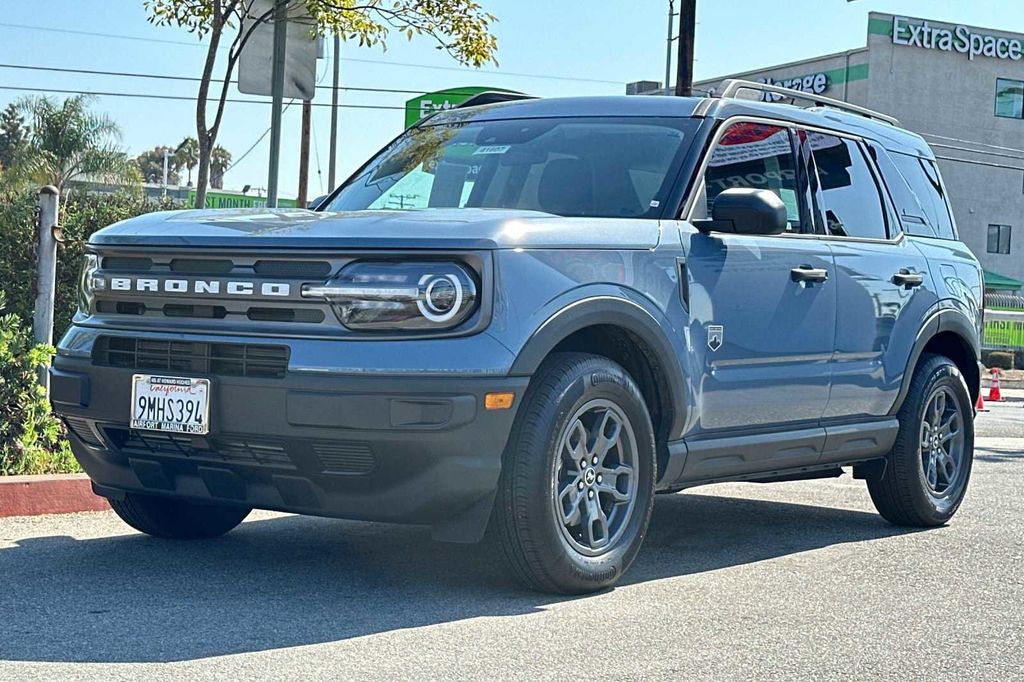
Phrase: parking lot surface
(735,581)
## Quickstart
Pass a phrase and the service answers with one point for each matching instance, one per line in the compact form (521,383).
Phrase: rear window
(596,167)
(922,175)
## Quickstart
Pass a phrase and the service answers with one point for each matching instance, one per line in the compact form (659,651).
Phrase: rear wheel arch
(950,334)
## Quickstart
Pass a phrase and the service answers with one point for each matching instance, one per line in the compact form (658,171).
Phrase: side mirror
(746,211)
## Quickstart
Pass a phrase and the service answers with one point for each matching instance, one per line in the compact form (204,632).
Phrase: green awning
(994,280)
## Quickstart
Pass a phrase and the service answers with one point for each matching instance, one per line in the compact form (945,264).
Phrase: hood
(467,228)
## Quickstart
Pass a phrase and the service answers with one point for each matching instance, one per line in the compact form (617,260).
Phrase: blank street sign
(255,65)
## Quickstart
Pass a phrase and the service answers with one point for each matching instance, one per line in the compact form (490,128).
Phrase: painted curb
(54,494)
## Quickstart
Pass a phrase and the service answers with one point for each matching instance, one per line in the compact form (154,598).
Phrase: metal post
(277,94)
(684,63)
(46,271)
(333,164)
(668,48)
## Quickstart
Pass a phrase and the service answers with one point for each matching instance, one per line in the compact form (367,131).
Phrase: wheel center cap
(589,476)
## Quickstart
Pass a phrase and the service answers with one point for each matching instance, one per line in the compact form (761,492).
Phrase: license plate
(175,404)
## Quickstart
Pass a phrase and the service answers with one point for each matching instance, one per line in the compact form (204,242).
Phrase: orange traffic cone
(994,394)
(980,407)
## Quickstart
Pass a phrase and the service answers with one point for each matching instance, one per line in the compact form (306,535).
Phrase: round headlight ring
(434,286)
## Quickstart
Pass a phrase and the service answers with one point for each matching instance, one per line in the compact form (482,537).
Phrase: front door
(762,308)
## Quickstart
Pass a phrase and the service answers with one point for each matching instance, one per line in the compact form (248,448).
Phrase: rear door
(762,308)
(883,285)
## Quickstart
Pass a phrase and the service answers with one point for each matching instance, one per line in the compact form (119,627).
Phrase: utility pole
(668,47)
(307,110)
(333,164)
(277,94)
(684,63)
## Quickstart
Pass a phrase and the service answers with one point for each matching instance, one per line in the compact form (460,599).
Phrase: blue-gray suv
(523,320)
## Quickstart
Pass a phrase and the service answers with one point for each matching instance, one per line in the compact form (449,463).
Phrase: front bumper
(399,449)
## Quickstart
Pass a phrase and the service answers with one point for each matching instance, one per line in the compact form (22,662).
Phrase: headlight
(89,282)
(369,295)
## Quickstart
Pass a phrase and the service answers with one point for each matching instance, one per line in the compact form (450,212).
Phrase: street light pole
(333,164)
(277,94)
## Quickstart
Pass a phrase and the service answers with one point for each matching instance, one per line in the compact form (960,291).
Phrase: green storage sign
(1006,333)
(215,199)
(426,104)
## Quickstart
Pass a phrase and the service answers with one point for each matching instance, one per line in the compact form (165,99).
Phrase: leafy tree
(220,161)
(187,156)
(68,141)
(459,27)
(151,165)
(12,134)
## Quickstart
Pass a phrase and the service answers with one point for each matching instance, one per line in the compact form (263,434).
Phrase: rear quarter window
(922,176)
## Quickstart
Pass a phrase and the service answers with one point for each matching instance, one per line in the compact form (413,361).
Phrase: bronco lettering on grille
(199,286)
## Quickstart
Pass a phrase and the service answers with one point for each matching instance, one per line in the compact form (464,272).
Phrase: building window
(1009,98)
(999,239)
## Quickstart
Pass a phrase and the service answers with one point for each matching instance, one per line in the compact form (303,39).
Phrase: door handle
(908,279)
(805,273)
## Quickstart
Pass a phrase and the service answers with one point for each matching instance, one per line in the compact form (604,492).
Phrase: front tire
(925,478)
(577,482)
(177,519)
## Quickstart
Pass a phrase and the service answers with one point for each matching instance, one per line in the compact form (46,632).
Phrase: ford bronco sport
(528,318)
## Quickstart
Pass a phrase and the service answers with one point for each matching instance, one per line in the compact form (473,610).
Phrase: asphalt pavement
(735,581)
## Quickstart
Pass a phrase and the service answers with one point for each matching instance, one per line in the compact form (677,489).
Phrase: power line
(192,79)
(378,62)
(138,95)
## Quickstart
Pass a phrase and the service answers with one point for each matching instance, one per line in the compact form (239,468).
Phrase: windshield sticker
(493,149)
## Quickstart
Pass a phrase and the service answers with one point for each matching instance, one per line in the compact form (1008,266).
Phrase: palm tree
(220,161)
(187,155)
(67,141)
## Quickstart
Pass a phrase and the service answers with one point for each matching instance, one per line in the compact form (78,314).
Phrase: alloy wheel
(595,479)
(942,441)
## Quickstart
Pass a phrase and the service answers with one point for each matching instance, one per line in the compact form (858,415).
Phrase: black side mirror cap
(741,210)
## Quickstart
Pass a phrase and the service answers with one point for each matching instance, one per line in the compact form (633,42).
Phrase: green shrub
(31,438)
(1000,359)
(81,214)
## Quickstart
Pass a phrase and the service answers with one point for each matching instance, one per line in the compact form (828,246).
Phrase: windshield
(597,167)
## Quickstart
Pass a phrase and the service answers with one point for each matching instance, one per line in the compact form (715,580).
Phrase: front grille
(222,359)
(201,299)
(232,449)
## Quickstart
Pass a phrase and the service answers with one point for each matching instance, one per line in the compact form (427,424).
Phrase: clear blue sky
(591,47)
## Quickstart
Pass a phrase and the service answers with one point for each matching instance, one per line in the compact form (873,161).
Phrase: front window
(596,167)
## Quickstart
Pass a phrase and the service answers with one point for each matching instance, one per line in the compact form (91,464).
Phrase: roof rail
(733,85)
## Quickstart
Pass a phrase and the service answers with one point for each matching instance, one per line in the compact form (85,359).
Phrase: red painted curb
(55,494)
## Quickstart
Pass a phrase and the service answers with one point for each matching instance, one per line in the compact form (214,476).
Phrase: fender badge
(716,336)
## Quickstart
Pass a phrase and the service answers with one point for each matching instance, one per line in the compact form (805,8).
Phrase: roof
(890,137)
(993,280)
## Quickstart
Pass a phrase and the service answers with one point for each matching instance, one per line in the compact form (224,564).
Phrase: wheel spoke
(607,435)
(615,493)
(578,451)
(938,408)
(932,473)
(569,503)
(596,524)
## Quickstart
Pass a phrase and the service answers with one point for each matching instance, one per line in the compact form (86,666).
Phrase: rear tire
(926,475)
(177,519)
(577,481)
